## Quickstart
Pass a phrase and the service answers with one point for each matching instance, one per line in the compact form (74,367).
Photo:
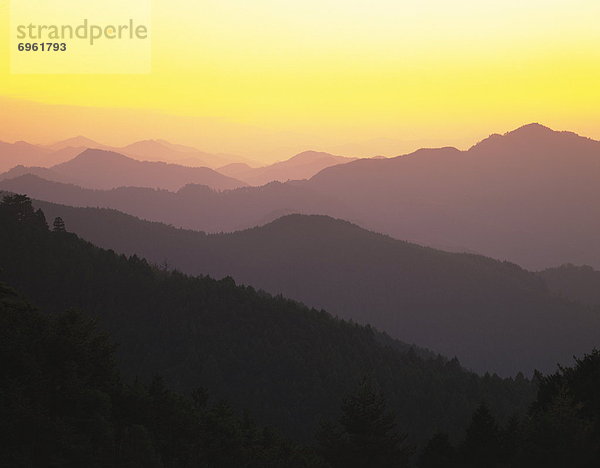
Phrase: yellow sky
(270,77)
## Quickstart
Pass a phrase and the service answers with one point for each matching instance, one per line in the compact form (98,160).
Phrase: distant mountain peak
(532,133)
(176,146)
(295,218)
(532,129)
(78,141)
(318,159)
(318,225)
(98,152)
(445,150)
(93,154)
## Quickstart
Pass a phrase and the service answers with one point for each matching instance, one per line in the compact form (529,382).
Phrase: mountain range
(155,150)
(193,206)
(26,154)
(492,315)
(100,169)
(288,364)
(529,197)
(52,161)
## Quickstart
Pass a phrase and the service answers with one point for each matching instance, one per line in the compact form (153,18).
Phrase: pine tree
(365,435)
(482,443)
(560,435)
(59,225)
(18,206)
(20,209)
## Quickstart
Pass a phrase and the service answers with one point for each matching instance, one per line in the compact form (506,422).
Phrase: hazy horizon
(270,81)
(255,145)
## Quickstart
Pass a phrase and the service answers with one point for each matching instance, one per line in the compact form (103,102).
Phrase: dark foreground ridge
(65,402)
(287,364)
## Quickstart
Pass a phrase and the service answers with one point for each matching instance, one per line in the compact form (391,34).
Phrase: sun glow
(333,72)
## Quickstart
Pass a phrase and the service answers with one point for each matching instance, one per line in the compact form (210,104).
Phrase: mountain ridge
(529,201)
(300,166)
(101,169)
(288,364)
(461,305)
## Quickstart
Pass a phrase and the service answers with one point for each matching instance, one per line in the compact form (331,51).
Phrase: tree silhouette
(482,443)
(19,208)
(438,453)
(559,436)
(63,403)
(365,435)
(564,424)
(561,429)
(58,225)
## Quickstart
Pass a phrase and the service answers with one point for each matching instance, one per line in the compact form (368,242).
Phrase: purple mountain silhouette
(529,196)
(106,169)
(301,166)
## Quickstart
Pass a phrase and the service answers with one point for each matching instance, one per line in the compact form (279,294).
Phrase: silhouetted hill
(106,169)
(26,154)
(288,364)
(301,166)
(41,172)
(154,150)
(529,196)
(12,154)
(578,283)
(65,404)
(161,150)
(68,193)
(193,206)
(484,311)
(79,141)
